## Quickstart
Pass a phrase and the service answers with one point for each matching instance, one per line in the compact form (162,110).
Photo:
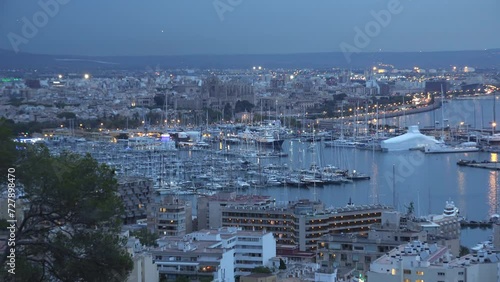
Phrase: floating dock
(476,224)
(483,164)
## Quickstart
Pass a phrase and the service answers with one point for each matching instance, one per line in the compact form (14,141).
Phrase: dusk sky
(171,27)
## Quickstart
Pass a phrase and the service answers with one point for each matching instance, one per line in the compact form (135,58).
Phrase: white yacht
(494,138)
(341,143)
(450,209)
(441,148)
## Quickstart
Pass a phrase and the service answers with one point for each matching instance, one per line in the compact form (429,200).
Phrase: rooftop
(416,252)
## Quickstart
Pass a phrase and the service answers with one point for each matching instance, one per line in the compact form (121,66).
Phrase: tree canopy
(8,150)
(71,221)
(242,106)
(145,237)
(261,269)
(66,115)
(282,264)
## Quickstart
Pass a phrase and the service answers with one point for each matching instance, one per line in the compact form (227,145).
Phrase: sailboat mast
(404,113)
(442,113)
(376,124)
(166,111)
(342,121)
(494,124)
(366,119)
(356,121)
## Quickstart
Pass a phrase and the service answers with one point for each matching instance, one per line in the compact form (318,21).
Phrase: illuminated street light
(86,76)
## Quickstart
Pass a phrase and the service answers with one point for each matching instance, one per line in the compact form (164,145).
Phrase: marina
(308,168)
(249,142)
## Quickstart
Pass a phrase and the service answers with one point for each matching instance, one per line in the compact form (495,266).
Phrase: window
(343,257)
(461,273)
(407,280)
(440,273)
(393,271)
(419,280)
(407,271)
(420,273)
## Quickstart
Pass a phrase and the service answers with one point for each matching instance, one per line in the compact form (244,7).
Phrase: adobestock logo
(372,29)
(224,6)
(30,28)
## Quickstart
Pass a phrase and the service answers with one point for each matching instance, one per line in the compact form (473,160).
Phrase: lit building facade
(304,222)
(170,216)
(210,207)
(220,254)
(352,253)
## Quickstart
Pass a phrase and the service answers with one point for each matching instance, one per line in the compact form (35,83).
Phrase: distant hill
(478,59)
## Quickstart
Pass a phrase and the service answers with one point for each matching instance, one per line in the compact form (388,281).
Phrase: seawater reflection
(461,189)
(493,192)
(427,180)
(476,112)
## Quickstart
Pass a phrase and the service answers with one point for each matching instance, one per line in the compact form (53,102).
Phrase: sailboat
(494,137)
(341,142)
(442,147)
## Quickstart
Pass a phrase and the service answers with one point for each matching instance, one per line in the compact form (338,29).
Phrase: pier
(483,164)
(476,224)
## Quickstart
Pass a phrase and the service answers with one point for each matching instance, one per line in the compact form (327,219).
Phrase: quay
(476,224)
(483,164)
(329,122)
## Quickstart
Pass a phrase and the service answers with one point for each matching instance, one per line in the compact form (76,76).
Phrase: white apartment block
(251,248)
(145,270)
(219,253)
(194,260)
(419,262)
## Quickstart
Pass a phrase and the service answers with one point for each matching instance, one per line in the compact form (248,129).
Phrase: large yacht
(269,140)
(442,148)
(450,209)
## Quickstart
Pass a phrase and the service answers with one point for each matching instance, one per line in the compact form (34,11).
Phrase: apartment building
(170,216)
(303,222)
(135,192)
(252,248)
(421,262)
(351,254)
(219,253)
(210,207)
(194,260)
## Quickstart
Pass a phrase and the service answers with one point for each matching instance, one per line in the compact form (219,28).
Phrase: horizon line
(249,54)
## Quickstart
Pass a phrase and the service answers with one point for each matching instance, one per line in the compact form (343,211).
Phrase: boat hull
(277,144)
